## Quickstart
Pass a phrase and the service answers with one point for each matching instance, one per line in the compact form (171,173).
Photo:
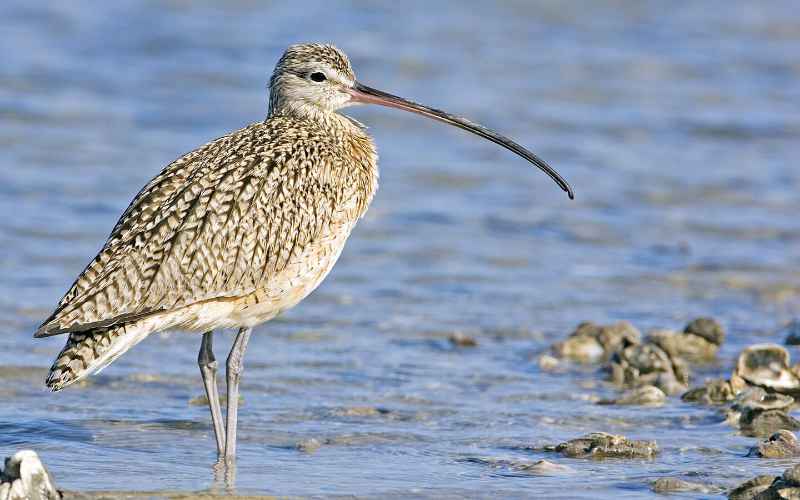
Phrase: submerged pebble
(309,445)
(547,468)
(676,485)
(604,445)
(647,395)
(202,400)
(782,444)
(359,411)
(460,339)
(538,468)
(548,362)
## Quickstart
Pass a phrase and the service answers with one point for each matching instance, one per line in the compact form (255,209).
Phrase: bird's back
(224,221)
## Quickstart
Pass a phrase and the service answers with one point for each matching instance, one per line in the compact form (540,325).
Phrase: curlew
(238,230)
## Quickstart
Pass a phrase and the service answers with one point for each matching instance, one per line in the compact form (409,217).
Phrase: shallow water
(679,130)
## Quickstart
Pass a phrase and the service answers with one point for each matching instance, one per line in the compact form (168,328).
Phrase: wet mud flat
(756,399)
(636,373)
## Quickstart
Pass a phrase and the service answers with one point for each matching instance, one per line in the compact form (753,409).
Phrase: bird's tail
(90,351)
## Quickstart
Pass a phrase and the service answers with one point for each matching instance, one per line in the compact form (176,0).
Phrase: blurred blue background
(676,123)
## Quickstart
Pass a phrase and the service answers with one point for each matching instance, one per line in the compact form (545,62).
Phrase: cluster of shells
(760,391)
(756,399)
(604,445)
(650,368)
(786,486)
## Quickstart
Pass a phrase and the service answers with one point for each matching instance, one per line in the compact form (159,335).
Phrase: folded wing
(217,222)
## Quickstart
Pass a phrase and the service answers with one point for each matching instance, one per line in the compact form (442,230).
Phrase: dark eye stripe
(318,77)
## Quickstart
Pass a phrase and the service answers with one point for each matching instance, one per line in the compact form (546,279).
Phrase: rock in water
(26,478)
(782,444)
(758,413)
(648,364)
(786,486)
(791,476)
(716,391)
(309,445)
(460,339)
(647,395)
(547,468)
(675,485)
(604,445)
(751,488)
(686,345)
(540,468)
(707,328)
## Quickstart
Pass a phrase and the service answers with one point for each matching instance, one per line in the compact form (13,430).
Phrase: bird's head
(311,77)
(313,80)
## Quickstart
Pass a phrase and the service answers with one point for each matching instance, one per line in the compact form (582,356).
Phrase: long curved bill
(367,95)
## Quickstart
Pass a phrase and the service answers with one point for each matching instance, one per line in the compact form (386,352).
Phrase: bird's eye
(317,77)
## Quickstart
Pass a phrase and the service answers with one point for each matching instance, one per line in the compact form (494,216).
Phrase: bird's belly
(284,290)
(301,277)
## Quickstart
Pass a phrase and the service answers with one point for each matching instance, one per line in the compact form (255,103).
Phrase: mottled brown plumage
(238,230)
(221,221)
(226,224)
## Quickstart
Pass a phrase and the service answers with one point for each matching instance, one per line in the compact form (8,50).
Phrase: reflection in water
(224,476)
(679,131)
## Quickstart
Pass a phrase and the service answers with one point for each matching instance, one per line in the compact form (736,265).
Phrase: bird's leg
(208,369)
(234,371)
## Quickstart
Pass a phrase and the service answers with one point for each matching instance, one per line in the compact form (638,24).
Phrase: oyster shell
(767,366)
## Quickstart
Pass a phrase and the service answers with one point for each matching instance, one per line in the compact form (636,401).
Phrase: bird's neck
(332,121)
(353,141)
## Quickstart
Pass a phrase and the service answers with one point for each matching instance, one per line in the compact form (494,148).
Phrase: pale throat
(305,110)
